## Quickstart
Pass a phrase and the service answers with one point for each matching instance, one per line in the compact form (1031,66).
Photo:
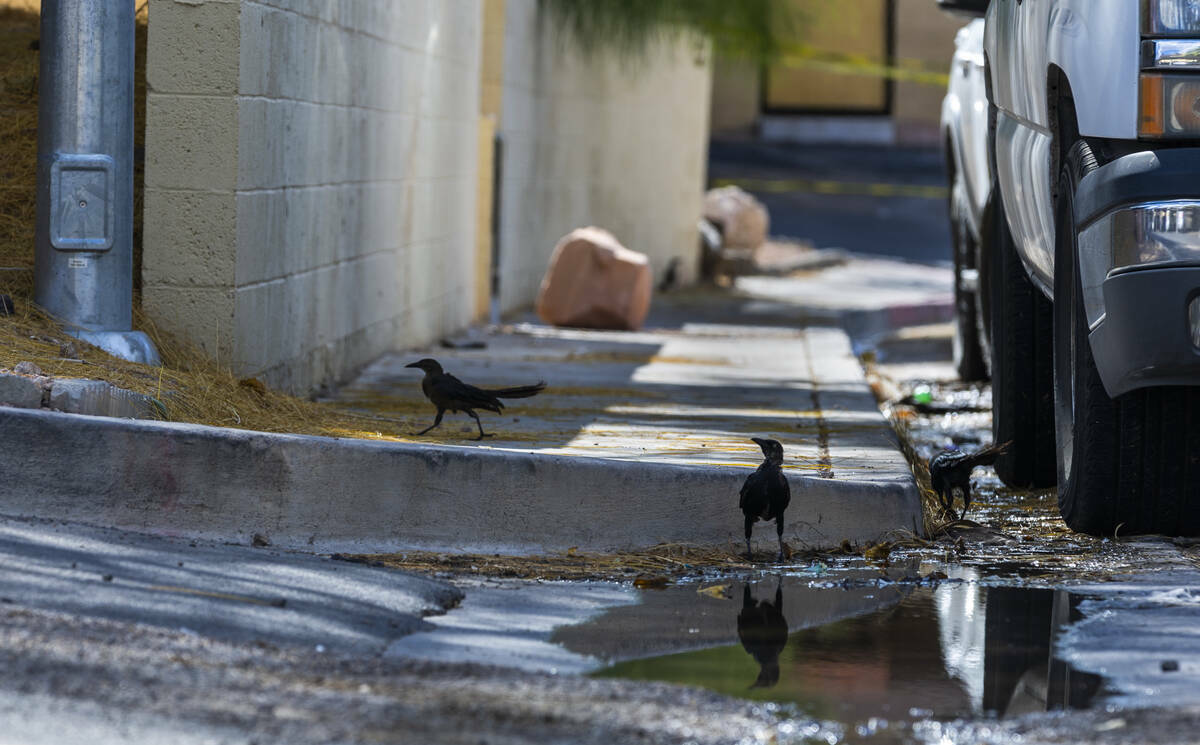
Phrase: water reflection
(763,632)
(946,651)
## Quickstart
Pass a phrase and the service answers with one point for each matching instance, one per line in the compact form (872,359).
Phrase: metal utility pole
(84,248)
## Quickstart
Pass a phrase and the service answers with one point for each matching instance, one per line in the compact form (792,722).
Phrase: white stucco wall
(310,178)
(593,141)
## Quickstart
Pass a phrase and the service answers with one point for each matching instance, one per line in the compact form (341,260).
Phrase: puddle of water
(957,649)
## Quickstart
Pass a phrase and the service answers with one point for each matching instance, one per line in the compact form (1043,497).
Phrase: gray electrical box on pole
(84,244)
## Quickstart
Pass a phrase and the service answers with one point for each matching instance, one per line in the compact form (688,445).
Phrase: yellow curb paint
(835,187)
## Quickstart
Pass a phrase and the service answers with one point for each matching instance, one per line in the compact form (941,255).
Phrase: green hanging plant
(749,29)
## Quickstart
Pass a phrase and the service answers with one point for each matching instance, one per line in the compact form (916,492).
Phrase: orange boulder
(595,282)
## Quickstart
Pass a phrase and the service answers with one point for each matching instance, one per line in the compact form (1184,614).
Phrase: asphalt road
(225,591)
(868,200)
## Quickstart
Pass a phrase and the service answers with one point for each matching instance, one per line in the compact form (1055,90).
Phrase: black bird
(448,393)
(950,472)
(763,632)
(765,495)
(670,275)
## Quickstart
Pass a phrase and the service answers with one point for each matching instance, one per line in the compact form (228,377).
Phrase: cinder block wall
(594,141)
(311,178)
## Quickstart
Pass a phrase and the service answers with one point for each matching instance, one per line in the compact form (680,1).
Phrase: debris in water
(879,552)
(816,569)
(720,592)
(656,582)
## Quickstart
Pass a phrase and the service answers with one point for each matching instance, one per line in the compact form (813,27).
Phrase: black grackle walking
(765,495)
(763,632)
(448,393)
(950,472)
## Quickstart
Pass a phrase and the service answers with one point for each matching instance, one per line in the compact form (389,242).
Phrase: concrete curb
(330,494)
(75,396)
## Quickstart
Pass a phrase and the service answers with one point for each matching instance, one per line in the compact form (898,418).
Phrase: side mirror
(972,8)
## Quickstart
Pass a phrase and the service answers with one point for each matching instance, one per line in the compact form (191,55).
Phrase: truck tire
(1126,465)
(969,359)
(1022,364)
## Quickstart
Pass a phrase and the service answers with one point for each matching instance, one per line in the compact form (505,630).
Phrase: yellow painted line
(905,71)
(817,186)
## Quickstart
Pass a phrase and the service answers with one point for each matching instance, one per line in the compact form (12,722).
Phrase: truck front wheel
(1124,464)
(1022,353)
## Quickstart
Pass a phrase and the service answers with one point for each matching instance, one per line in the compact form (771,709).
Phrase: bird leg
(436,422)
(749,530)
(966,500)
(779,533)
(947,502)
(482,434)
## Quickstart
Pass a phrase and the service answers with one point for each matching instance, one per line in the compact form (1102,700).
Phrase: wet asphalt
(1007,625)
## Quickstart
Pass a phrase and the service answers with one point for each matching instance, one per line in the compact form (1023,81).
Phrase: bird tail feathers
(988,455)
(520,391)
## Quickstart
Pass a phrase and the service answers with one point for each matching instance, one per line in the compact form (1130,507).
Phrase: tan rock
(595,282)
(742,219)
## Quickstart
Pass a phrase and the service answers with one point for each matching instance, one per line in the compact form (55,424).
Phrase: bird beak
(413,364)
(758,441)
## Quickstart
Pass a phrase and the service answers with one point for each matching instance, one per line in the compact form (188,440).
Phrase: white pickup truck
(1081,259)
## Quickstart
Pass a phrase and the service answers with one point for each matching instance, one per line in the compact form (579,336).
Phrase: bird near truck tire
(950,474)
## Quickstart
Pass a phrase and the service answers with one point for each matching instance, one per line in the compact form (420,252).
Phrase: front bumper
(1139,260)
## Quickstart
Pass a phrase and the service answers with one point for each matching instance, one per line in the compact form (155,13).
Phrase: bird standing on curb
(448,393)
(765,495)
(950,472)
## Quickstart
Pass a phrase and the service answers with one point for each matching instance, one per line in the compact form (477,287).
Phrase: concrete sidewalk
(641,438)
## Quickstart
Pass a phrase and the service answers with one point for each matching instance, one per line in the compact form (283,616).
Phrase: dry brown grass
(191,386)
(652,567)
(18,148)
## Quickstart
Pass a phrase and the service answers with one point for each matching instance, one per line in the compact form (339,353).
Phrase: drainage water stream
(946,651)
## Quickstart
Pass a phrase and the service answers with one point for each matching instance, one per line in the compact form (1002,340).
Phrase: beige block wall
(596,142)
(736,95)
(311,177)
(924,35)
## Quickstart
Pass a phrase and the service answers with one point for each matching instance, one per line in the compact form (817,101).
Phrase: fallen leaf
(1110,725)
(254,384)
(648,582)
(573,550)
(878,552)
(720,592)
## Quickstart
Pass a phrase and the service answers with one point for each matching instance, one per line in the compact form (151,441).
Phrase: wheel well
(1060,108)
(948,153)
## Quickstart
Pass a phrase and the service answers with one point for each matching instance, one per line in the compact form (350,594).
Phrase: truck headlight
(1171,17)
(1142,236)
(1169,105)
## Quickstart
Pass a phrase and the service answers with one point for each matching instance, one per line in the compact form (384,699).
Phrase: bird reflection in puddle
(763,631)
